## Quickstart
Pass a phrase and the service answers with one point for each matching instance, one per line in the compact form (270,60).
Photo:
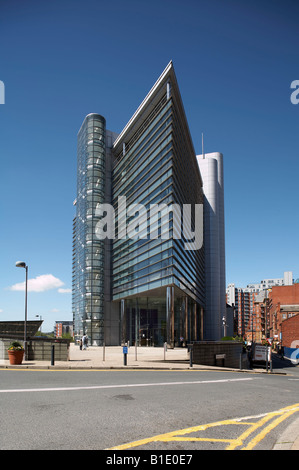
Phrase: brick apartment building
(242,299)
(245,307)
(63,327)
(290,332)
(252,306)
(284,314)
(257,325)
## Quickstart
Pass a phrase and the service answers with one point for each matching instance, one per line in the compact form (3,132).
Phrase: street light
(22,264)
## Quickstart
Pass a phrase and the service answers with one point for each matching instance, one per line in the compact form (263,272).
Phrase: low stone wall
(39,349)
(220,353)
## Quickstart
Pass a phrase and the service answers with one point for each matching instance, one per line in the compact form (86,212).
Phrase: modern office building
(139,270)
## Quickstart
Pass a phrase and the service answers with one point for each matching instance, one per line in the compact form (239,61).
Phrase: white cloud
(1,310)
(39,284)
(64,291)
(54,310)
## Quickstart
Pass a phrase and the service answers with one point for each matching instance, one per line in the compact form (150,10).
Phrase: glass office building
(143,281)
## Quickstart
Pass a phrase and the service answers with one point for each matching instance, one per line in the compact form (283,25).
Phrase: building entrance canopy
(166,316)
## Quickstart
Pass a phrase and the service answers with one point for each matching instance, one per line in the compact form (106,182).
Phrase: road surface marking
(100,387)
(286,413)
(181,435)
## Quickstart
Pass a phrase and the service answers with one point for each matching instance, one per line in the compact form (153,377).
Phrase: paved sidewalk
(289,440)
(112,357)
(141,357)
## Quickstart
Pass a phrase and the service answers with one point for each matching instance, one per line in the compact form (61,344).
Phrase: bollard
(104,351)
(165,349)
(52,355)
(125,352)
(191,355)
(241,361)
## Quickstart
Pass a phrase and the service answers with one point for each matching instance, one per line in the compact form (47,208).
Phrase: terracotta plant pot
(15,356)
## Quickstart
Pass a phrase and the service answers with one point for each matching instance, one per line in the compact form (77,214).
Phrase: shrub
(15,346)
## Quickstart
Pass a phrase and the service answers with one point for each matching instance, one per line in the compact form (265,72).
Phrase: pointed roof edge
(168,73)
(160,80)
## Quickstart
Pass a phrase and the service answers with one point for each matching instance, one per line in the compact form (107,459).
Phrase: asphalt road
(89,410)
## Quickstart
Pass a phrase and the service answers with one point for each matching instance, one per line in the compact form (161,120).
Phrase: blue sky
(60,60)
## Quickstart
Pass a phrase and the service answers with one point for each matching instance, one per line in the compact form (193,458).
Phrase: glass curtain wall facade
(143,174)
(160,284)
(88,250)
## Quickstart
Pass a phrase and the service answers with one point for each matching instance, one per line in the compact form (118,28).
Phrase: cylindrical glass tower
(88,270)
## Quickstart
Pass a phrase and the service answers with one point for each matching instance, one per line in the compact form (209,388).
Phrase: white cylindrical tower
(211,169)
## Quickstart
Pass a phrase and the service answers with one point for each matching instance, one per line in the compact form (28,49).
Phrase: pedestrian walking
(84,341)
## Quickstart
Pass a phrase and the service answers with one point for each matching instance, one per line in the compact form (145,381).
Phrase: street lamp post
(22,264)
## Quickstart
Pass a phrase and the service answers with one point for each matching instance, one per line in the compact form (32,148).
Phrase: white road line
(102,387)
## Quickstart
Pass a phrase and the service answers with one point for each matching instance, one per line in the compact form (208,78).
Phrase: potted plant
(15,353)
